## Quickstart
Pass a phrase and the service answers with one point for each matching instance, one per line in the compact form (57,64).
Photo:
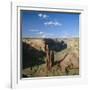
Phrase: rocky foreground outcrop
(70,61)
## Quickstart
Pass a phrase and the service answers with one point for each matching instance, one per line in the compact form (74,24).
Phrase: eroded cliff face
(39,44)
(65,57)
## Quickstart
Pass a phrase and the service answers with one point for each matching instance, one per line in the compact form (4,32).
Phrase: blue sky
(40,24)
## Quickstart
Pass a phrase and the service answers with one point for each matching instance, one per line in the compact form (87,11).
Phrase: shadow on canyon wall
(33,57)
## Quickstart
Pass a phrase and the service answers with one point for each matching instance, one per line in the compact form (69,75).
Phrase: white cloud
(34,30)
(40,15)
(44,16)
(52,23)
(66,35)
(40,32)
(57,24)
(47,35)
(43,36)
(50,34)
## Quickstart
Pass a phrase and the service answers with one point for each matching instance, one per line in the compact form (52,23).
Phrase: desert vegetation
(43,57)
